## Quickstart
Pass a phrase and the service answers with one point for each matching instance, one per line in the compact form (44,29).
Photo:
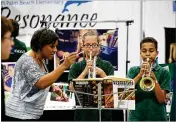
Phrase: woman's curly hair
(43,37)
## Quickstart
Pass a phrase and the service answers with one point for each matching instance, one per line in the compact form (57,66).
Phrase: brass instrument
(147,83)
(92,74)
(89,74)
(94,67)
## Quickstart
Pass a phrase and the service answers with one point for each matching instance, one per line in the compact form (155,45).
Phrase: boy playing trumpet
(80,70)
(150,106)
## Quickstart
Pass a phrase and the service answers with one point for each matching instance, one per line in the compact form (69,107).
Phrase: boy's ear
(157,52)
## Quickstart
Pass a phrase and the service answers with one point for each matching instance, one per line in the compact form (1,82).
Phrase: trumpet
(92,74)
(147,83)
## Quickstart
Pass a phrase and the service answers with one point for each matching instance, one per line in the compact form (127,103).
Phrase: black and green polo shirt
(147,106)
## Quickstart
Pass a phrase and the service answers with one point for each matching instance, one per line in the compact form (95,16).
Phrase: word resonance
(59,21)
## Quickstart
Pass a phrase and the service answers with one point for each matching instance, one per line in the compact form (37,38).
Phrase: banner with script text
(33,14)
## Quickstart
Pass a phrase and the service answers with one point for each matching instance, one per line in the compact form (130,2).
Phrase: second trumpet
(147,83)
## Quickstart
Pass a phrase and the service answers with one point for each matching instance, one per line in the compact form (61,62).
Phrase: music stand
(99,82)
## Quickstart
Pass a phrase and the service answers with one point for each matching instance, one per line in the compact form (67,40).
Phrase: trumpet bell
(147,84)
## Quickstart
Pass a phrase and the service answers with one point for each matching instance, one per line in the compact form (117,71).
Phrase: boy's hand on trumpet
(144,69)
(89,65)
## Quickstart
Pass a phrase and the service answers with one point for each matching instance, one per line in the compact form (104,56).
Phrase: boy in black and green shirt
(150,106)
(80,70)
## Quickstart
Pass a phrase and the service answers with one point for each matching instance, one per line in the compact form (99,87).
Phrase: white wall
(155,16)
(159,14)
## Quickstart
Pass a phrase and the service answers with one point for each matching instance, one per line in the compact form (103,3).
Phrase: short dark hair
(150,40)
(15,25)
(6,26)
(43,37)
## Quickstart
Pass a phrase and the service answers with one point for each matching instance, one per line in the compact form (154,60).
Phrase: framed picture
(71,40)
(8,75)
(59,98)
